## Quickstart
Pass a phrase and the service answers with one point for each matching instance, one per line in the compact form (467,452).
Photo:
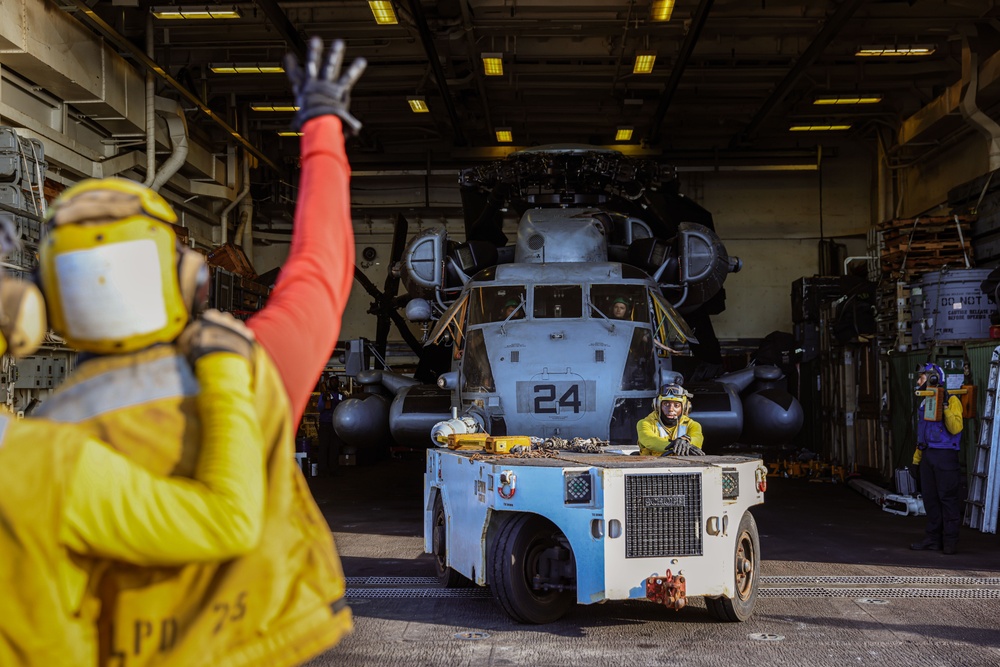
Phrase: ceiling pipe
(177,129)
(246,218)
(697,23)
(470,38)
(970,109)
(224,217)
(150,109)
(826,35)
(279,19)
(621,51)
(125,45)
(420,21)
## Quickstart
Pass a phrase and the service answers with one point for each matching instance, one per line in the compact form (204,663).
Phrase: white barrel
(953,308)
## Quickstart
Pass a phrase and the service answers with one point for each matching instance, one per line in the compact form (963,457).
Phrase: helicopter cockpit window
(496,303)
(640,365)
(620,302)
(561,301)
(477,376)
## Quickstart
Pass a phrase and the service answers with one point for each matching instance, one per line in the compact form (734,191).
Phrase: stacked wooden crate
(908,248)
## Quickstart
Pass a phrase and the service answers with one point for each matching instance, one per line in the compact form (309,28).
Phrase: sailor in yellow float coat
(284,602)
(67,498)
(668,430)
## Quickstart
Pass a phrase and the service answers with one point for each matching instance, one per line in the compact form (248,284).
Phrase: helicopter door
(669,325)
(453,321)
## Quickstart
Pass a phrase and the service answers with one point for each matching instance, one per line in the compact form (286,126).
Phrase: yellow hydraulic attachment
(503,444)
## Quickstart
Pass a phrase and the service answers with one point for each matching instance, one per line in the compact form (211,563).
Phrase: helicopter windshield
(558,301)
(496,303)
(620,302)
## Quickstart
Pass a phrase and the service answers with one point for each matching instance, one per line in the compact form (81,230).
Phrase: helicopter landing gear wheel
(527,547)
(446,576)
(747,574)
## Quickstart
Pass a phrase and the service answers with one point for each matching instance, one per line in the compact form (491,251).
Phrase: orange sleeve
(300,325)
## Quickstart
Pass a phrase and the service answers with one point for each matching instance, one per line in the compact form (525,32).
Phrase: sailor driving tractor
(668,430)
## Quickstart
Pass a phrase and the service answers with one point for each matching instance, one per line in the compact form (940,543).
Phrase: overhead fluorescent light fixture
(493,64)
(505,135)
(195,12)
(289,133)
(661,10)
(848,99)
(818,128)
(418,104)
(644,62)
(624,133)
(383,12)
(267,106)
(895,50)
(246,68)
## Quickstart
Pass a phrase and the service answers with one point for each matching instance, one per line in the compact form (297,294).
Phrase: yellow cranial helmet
(114,276)
(673,393)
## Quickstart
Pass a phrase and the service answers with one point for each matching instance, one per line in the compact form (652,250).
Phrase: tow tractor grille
(663,515)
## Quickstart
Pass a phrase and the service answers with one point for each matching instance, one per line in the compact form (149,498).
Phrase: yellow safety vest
(281,604)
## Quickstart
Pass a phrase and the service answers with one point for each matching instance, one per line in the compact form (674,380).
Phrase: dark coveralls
(940,475)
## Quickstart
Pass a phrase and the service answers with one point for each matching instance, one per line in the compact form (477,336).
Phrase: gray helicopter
(571,330)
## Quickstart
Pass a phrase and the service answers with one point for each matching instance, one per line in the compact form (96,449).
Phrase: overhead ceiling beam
(697,23)
(829,31)
(118,40)
(417,11)
(276,15)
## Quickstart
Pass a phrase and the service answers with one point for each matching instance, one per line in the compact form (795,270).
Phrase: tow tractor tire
(513,563)
(739,608)
(446,576)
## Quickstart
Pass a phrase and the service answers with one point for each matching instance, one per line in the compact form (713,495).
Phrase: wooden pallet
(924,260)
(906,224)
(904,245)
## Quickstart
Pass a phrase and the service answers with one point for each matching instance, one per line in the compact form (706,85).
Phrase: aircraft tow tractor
(547,529)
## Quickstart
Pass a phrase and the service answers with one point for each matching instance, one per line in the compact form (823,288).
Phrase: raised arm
(315,281)
(116,509)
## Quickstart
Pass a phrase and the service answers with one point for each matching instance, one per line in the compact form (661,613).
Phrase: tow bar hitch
(668,590)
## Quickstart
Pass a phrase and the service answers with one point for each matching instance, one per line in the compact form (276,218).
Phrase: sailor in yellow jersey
(68,499)
(668,430)
(110,241)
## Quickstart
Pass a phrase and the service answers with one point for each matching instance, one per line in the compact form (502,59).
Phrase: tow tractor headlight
(578,488)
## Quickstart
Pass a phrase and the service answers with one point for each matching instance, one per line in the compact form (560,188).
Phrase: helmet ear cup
(22,316)
(193,278)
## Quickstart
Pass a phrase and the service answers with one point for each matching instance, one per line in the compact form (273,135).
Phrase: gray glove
(215,331)
(324,91)
(682,447)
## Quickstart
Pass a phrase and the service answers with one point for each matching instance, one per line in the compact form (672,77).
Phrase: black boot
(926,544)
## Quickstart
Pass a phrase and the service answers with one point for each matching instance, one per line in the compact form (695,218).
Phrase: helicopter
(572,329)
